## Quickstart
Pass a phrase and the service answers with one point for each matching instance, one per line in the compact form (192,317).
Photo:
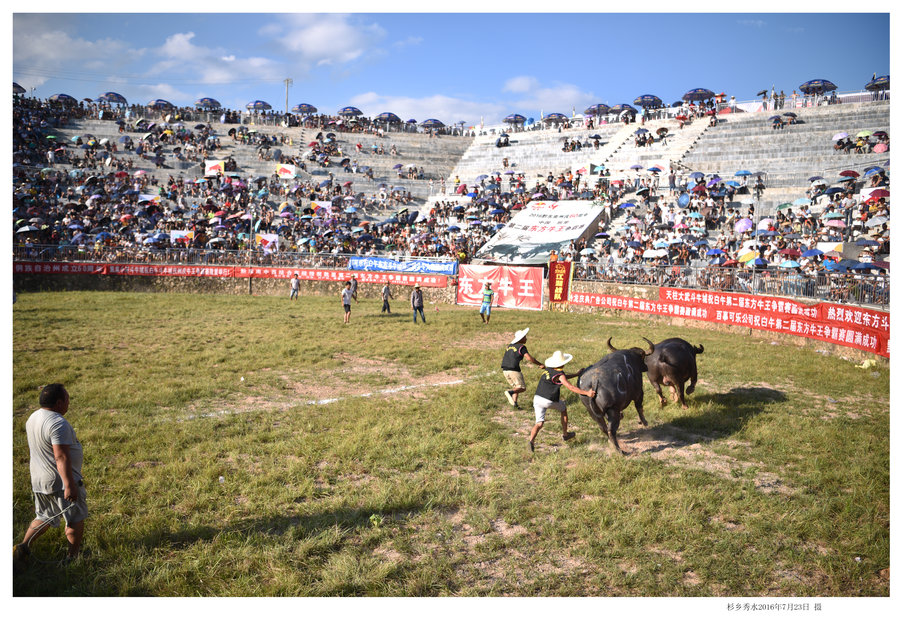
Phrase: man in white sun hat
(511,367)
(547,395)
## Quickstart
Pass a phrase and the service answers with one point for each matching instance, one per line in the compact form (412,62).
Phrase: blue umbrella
(258,105)
(432,123)
(715,252)
(304,109)
(514,118)
(743,172)
(112,96)
(387,117)
(207,103)
(789,264)
(160,104)
(18,89)
(812,252)
(696,175)
(622,108)
(597,109)
(62,97)
(817,85)
(879,83)
(648,101)
(695,95)
(555,117)
(349,111)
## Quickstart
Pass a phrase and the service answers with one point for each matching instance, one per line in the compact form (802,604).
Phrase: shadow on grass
(709,417)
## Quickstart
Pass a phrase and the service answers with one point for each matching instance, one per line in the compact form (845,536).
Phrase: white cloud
(42,47)
(448,109)
(322,39)
(179,56)
(521,84)
(409,41)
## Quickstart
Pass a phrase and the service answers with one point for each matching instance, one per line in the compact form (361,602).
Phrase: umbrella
(207,103)
(648,101)
(18,89)
(555,117)
(304,109)
(879,83)
(695,95)
(817,86)
(514,118)
(835,223)
(789,264)
(258,105)
(597,109)
(349,111)
(387,117)
(880,193)
(160,104)
(622,108)
(812,252)
(839,136)
(432,123)
(849,173)
(876,221)
(62,97)
(880,148)
(744,225)
(112,96)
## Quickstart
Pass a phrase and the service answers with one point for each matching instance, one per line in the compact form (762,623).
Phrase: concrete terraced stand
(740,141)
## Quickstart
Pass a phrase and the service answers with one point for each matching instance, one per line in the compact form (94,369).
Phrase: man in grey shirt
(417,302)
(56,460)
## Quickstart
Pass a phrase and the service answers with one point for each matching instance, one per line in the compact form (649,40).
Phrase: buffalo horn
(609,344)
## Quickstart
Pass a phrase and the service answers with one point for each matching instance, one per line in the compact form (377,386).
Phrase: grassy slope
(773,482)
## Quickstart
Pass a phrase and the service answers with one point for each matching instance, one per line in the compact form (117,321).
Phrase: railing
(832,287)
(190,256)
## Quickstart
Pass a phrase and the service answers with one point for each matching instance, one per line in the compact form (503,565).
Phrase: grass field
(416,479)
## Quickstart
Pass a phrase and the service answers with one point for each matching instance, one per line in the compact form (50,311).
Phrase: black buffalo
(673,362)
(617,378)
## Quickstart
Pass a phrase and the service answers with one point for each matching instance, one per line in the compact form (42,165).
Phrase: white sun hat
(520,334)
(558,359)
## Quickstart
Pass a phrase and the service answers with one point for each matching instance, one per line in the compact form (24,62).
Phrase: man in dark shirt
(511,366)
(546,395)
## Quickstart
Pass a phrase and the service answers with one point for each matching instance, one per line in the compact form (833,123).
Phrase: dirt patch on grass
(485,340)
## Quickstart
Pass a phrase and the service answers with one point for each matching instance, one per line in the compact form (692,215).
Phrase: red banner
(514,287)
(216,271)
(861,328)
(559,281)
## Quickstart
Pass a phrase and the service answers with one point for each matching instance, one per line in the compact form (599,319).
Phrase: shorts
(542,404)
(515,379)
(346,307)
(485,309)
(46,506)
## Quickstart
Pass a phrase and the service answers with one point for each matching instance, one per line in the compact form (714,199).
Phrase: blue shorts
(485,309)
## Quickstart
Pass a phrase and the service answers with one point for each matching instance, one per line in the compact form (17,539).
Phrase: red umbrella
(121,174)
(879,193)
(849,172)
(789,252)
(312,144)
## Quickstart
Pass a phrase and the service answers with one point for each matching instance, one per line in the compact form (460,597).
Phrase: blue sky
(454,67)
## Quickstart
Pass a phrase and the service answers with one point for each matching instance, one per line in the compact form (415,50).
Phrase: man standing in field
(417,302)
(487,298)
(353,287)
(511,367)
(385,297)
(346,299)
(56,459)
(295,286)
